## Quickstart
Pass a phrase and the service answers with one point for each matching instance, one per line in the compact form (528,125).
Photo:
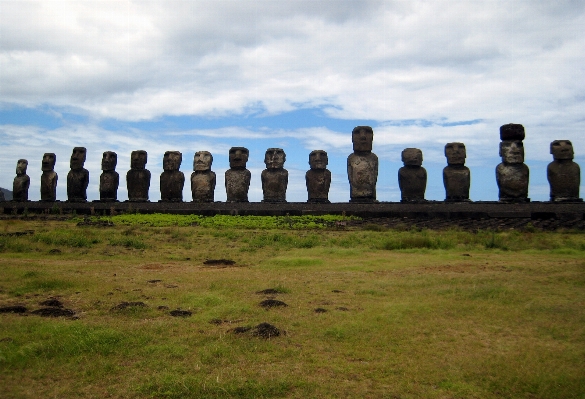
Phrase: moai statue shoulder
(564,175)
(78,177)
(109,179)
(202,178)
(318,178)
(237,177)
(21,182)
(172,180)
(512,174)
(456,176)
(412,177)
(274,177)
(138,177)
(49,177)
(362,166)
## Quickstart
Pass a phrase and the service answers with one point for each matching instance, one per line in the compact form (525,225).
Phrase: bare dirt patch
(262,330)
(219,262)
(13,309)
(272,303)
(180,313)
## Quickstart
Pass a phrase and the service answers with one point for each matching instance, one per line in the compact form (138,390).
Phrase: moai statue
(78,177)
(456,176)
(412,177)
(172,180)
(202,179)
(138,177)
(318,178)
(49,178)
(564,175)
(512,174)
(237,177)
(21,182)
(362,166)
(109,179)
(274,177)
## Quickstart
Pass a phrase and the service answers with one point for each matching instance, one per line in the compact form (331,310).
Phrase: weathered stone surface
(21,182)
(456,176)
(78,177)
(362,166)
(202,179)
(138,177)
(274,177)
(109,179)
(49,178)
(318,178)
(172,180)
(564,175)
(237,178)
(512,174)
(412,177)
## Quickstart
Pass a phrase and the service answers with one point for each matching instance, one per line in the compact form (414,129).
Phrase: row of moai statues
(512,174)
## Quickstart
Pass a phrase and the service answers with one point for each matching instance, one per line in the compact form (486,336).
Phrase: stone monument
(202,179)
(318,178)
(512,174)
(564,175)
(237,177)
(456,176)
(109,179)
(138,177)
(274,177)
(412,177)
(362,166)
(21,182)
(49,178)
(172,180)
(78,177)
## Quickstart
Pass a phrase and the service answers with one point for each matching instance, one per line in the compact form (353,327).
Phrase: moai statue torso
(78,177)
(412,177)
(109,179)
(274,177)
(237,177)
(456,176)
(564,175)
(49,178)
(362,166)
(21,182)
(512,174)
(318,178)
(138,177)
(172,180)
(202,179)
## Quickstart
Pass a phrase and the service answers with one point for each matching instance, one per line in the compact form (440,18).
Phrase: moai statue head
(455,153)
(511,147)
(172,160)
(412,157)
(239,157)
(202,161)
(562,150)
(318,160)
(138,159)
(21,167)
(362,138)
(109,161)
(78,158)
(274,158)
(49,160)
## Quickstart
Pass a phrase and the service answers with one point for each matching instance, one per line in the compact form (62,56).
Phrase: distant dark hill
(7,194)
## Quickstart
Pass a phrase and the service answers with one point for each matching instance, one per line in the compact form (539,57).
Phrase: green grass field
(372,313)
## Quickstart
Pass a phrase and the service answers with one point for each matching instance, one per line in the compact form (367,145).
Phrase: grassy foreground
(371,314)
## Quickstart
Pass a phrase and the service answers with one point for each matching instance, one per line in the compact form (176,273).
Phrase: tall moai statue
(412,177)
(78,177)
(49,177)
(564,175)
(21,182)
(456,176)
(109,179)
(237,177)
(138,177)
(318,178)
(172,180)
(202,179)
(362,166)
(274,177)
(512,174)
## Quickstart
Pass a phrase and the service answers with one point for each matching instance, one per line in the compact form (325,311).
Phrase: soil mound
(272,303)
(320,310)
(265,330)
(219,262)
(181,313)
(52,302)
(124,305)
(13,309)
(54,312)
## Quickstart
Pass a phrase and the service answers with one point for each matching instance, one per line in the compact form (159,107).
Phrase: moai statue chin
(78,177)
(49,178)
(138,177)
(362,166)
(274,177)
(456,176)
(202,179)
(564,175)
(237,177)
(172,180)
(318,178)
(412,177)
(512,174)
(21,182)
(109,179)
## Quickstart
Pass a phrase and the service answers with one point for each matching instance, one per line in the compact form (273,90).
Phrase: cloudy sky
(299,75)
